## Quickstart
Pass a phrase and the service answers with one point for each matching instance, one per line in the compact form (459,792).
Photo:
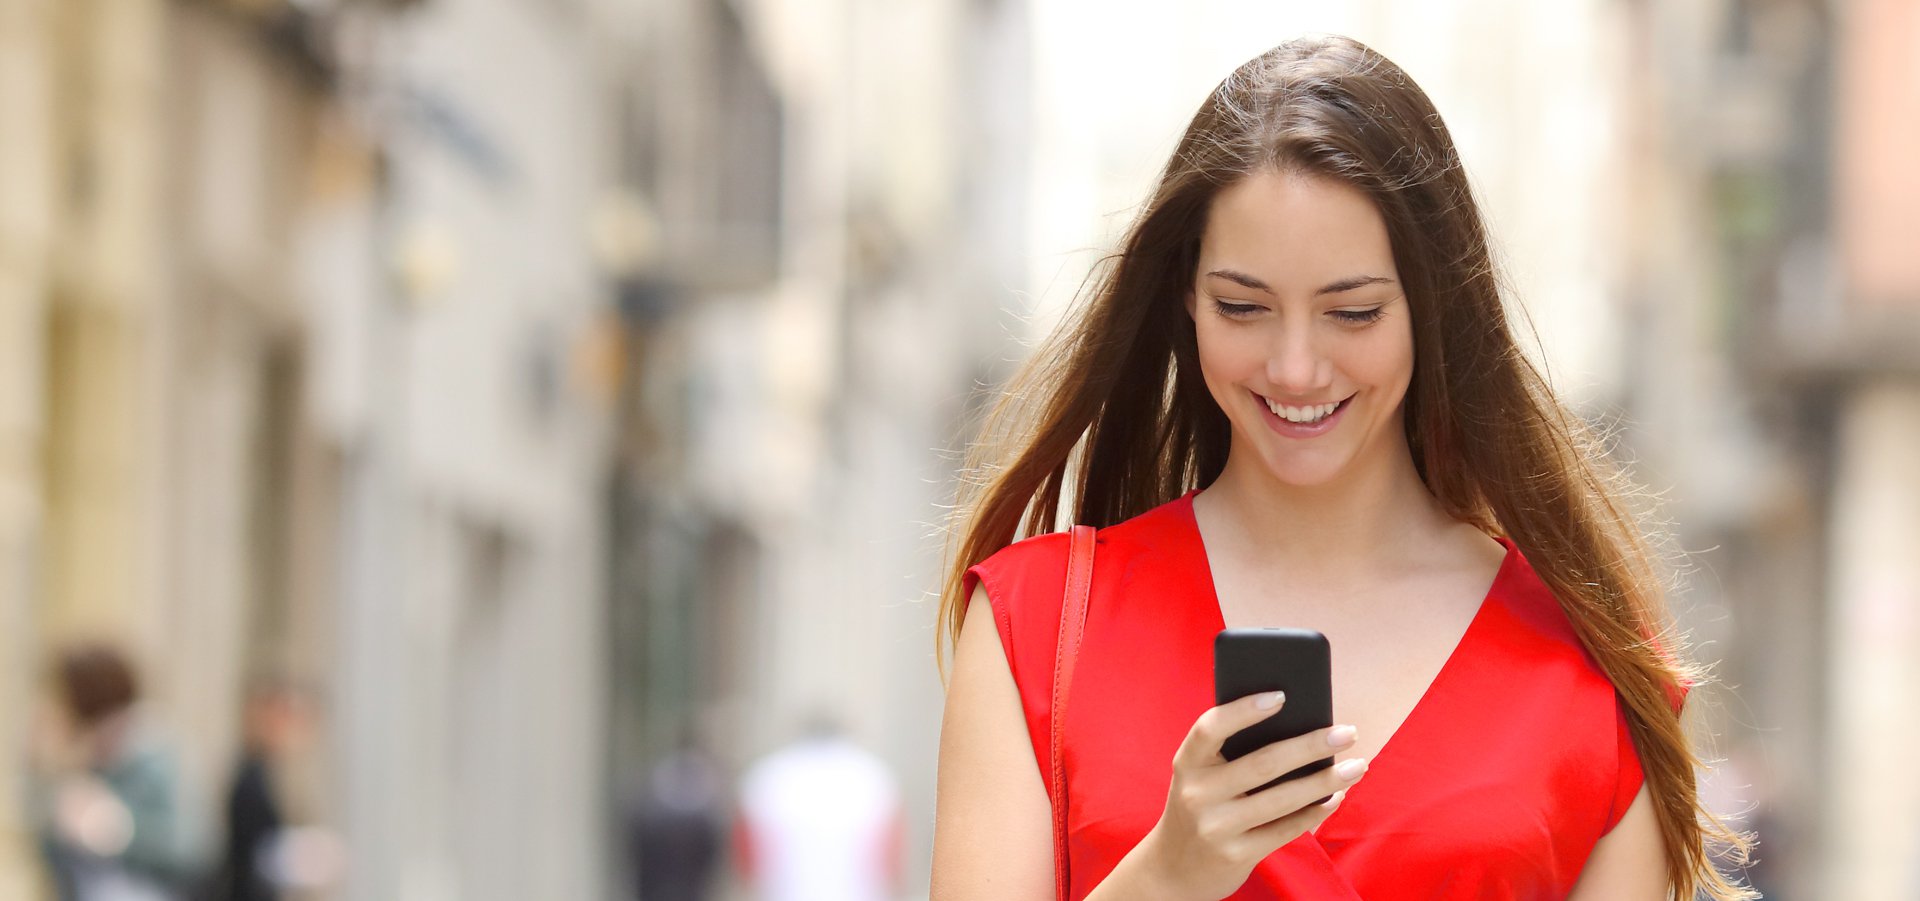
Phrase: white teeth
(1305,415)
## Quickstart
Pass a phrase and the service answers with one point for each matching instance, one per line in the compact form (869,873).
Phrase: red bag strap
(1073,620)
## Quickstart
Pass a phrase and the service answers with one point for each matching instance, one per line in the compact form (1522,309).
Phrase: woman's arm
(992,823)
(1629,862)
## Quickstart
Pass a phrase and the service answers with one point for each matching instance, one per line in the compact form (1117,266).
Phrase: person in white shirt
(820,820)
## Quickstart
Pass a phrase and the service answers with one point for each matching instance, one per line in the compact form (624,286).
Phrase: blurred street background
(507,423)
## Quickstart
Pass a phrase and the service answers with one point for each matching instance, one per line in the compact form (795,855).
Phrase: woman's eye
(1233,309)
(1358,315)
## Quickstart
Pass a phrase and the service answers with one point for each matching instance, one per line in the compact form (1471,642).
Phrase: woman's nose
(1295,365)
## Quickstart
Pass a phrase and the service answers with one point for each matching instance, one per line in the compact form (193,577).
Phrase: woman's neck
(1356,524)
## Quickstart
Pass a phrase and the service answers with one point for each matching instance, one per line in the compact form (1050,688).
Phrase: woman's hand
(1211,836)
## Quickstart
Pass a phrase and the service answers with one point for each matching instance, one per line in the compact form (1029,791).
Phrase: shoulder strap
(1073,620)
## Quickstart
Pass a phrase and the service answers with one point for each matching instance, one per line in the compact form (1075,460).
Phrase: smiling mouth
(1310,414)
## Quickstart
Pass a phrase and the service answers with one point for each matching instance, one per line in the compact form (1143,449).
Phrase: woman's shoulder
(1022,560)
(1049,550)
(1032,571)
(1151,530)
(1536,616)
(1533,602)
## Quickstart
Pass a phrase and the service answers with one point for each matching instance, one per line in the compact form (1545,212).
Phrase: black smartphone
(1296,661)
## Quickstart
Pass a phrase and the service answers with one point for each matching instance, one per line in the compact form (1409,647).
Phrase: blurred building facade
(1872,831)
(307,374)
(471,611)
(842,189)
(1774,282)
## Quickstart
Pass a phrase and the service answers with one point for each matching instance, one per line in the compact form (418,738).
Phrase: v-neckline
(1474,627)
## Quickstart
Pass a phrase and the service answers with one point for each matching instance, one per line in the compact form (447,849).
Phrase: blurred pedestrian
(265,853)
(676,825)
(820,820)
(106,790)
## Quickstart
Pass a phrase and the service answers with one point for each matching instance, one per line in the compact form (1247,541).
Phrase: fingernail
(1269,700)
(1341,736)
(1350,769)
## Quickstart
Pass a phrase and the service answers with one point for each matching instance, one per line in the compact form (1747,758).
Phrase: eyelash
(1357,317)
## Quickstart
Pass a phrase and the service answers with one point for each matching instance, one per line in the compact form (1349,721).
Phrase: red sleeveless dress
(1515,761)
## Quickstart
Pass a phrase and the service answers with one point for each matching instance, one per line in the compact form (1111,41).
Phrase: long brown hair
(1110,418)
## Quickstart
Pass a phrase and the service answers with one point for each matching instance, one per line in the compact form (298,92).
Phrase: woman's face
(1298,310)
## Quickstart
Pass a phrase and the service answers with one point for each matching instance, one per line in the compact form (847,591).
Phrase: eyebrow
(1346,284)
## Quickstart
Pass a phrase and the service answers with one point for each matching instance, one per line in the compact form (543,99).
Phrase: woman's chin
(1311,472)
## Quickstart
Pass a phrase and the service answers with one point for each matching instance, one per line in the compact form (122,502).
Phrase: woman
(1304,320)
